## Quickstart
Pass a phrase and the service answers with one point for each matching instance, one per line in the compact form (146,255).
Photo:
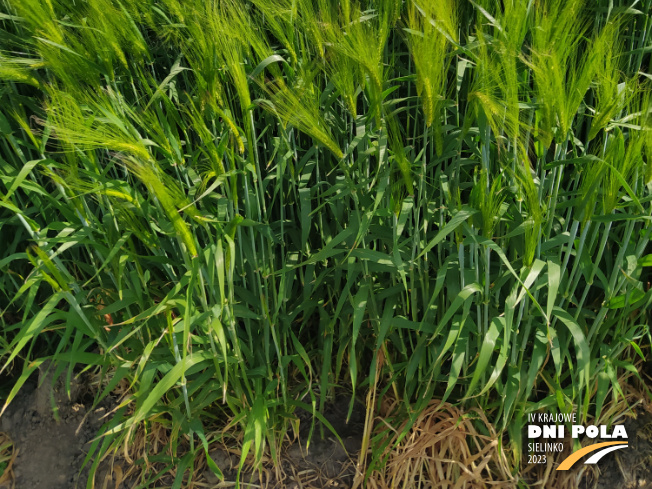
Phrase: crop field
(221,218)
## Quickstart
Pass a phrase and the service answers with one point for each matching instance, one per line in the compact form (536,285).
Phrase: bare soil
(52,447)
(630,468)
(50,443)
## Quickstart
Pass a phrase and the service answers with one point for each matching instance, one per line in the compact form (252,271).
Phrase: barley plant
(240,208)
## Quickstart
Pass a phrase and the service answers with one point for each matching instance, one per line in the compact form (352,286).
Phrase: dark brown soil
(631,467)
(51,445)
(51,449)
(322,463)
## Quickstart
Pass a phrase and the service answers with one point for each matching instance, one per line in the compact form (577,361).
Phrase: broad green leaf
(458,218)
(486,352)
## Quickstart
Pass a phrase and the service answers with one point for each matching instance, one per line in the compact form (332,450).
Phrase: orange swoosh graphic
(575,456)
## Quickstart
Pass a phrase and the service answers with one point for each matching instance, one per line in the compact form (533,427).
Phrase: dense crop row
(238,207)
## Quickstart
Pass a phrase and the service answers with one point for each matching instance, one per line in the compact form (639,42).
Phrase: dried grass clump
(444,448)
(616,410)
(546,475)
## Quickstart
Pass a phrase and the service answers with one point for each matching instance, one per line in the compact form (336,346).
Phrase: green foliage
(267,197)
